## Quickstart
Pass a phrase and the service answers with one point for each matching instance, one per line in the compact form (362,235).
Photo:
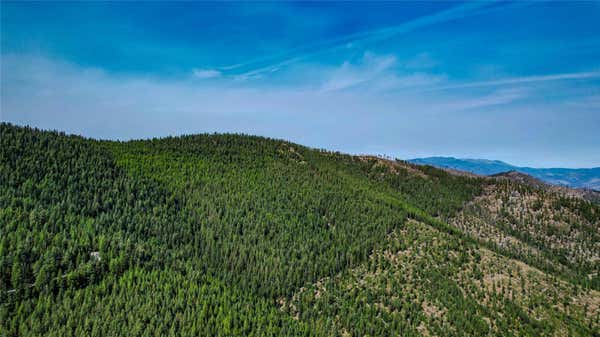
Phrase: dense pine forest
(235,235)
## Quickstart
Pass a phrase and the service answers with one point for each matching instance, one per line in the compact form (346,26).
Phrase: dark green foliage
(256,217)
(62,198)
(200,235)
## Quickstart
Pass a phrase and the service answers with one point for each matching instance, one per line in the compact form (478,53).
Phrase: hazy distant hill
(579,178)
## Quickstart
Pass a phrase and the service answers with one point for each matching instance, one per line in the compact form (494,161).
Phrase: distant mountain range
(577,178)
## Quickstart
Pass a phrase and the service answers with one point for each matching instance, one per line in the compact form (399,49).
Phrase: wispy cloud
(273,63)
(373,73)
(495,98)
(454,80)
(205,73)
(350,75)
(522,80)
(100,104)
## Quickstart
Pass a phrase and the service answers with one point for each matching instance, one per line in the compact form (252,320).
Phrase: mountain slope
(525,179)
(425,282)
(577,178)
(221,235)
(545,228)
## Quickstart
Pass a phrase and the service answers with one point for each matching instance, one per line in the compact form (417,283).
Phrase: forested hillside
(234,235)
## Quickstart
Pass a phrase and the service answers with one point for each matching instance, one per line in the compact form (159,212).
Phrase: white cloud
(523,79)
(53,94)
(206,73)
(349,75)
(363,38)
(376,73)
(495,98)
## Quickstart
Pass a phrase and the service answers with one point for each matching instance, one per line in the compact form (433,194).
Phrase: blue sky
(519,82)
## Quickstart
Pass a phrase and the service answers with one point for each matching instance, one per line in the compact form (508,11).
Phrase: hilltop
(525,179)
(237,235)
(588,178)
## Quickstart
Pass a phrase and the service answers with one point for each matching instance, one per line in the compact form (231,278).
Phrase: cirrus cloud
(205,73)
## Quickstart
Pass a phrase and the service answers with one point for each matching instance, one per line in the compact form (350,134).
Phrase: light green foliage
(156,303)
(546,229)
(215,234)
(429,282)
